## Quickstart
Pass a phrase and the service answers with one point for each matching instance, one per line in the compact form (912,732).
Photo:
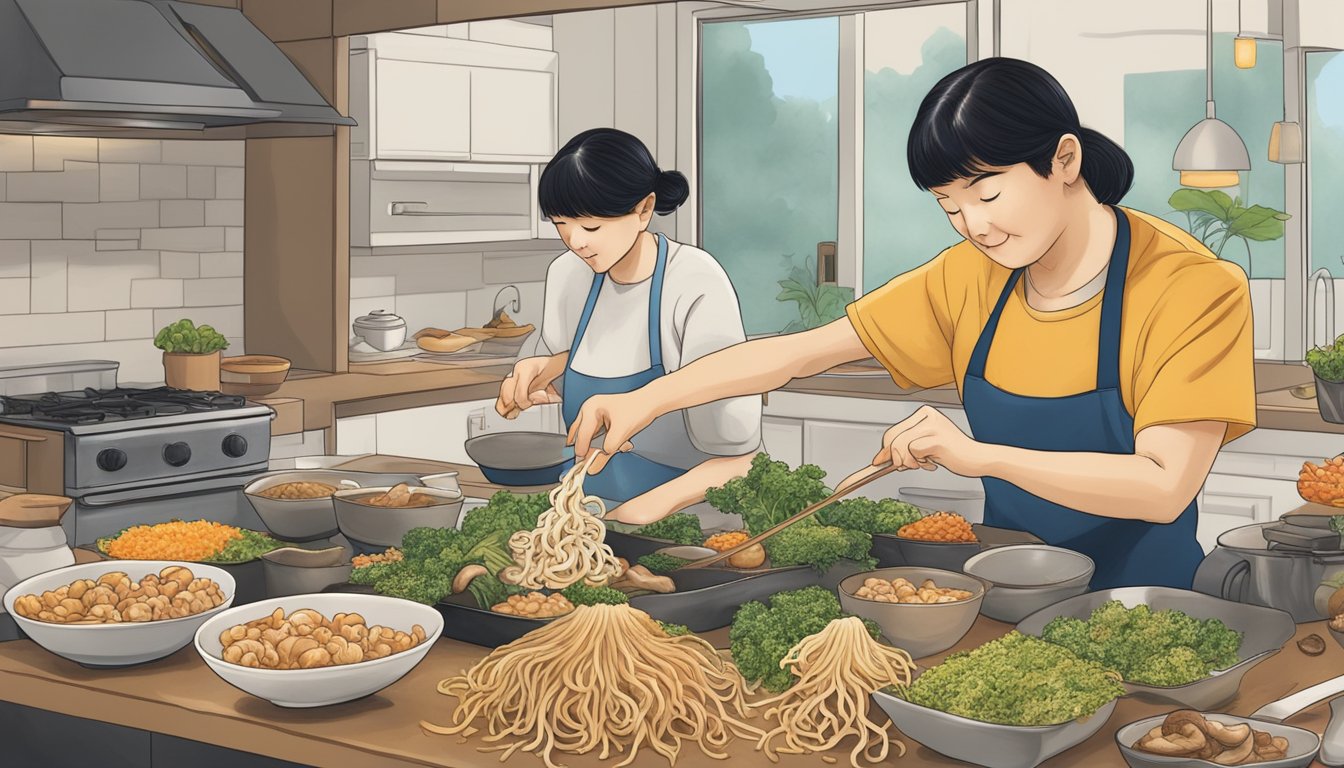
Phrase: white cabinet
(783,439)
(512,115)
(420,111)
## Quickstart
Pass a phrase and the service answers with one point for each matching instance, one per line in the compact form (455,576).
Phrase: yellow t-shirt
(1187,347)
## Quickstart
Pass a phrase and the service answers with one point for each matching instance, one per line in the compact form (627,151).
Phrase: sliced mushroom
(1229,735)
(639,577)
(1238,754)
(1178,719)
(1184,743)
(466,574)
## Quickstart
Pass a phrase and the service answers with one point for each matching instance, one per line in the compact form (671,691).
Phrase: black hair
(605,173)
(998,112)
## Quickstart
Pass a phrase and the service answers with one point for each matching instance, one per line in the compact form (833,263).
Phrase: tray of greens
(195,542)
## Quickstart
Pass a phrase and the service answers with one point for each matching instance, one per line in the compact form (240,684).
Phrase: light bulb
(1210,179)
(1243,50)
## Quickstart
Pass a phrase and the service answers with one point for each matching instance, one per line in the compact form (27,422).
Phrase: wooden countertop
(181,697)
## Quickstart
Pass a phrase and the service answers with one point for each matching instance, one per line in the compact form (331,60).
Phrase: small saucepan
(519,458)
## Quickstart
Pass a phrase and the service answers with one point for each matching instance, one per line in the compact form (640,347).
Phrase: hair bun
(671,189)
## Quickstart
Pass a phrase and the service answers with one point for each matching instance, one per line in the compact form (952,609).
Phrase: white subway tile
(163,182)
(78,183)
(117,234)
(361,287)
(237,347)
(433,310)
(426,272)
(130,324)
(16,153)
(13,296)
(116,245)
(49,269)
(51,152)
(201,182)
(224,213)
(192,152)
(128,151)
(174,264)
(83,220)
(14,258)
(118,182)
(156,293)
(30,221)
(66,328)
(100,281)
(229,183)
(182,213)
(226,320)
(226,264)
(505,268)
(233,239)
(198,239)
(213,292)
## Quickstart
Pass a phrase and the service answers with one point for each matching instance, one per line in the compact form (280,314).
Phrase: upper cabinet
(481,92)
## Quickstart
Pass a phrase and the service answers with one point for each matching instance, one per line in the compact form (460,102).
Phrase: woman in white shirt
(623,307)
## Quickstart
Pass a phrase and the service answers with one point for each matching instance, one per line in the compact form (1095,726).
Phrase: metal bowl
(518,458)
(1024,578)
(921,630)
(309,519)
(385,526)
(989,744)
(944,555)
(1264,631)
(1302,744)
(294,571)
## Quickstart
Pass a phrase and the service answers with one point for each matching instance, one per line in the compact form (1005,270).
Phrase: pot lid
(379,319)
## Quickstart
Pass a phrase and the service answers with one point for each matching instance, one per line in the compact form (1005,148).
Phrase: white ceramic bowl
(385,526)
(325,685)
(116,645)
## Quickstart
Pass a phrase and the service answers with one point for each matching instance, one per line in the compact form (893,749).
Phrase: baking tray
(707,598)
(1264,631)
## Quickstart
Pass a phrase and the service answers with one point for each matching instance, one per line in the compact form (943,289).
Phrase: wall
(104,241)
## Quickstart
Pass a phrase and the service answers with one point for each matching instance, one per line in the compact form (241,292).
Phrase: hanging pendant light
(1211,155)
(1243,48)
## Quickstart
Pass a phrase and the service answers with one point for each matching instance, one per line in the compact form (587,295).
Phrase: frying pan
(518,458)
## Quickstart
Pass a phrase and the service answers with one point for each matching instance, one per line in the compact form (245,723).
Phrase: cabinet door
(512,115)
(783,439)
(423,111)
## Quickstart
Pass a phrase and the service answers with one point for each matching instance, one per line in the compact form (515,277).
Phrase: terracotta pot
(194,372)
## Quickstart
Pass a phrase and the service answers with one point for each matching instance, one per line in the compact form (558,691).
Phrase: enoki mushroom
(567,545)
(605,677)
(838,669)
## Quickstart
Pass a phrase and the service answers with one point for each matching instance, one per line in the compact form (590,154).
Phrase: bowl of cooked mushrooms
(318,649)
(1189,739)
(382,516)
(119,613)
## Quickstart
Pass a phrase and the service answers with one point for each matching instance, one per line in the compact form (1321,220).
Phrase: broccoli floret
(679,527)
(1177,666)
(1217,644)
(370,574)
(1070,633)
(769,493)
(869,516)
(423,585)
(505,513)
(582,594)
(820,546)
(762,635)
(658,563)
(674,630)
(425,543)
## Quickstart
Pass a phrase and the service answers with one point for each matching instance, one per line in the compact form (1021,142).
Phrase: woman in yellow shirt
(1103,356)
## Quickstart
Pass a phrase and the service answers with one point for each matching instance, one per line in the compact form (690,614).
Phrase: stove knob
(111,459)
(177,454)
(235,446)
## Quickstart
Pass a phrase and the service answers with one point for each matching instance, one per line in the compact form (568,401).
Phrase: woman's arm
(681,492)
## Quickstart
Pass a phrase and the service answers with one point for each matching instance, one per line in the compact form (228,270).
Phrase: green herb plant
(1216,219)
(183,337)
(1328,362)
(818,303)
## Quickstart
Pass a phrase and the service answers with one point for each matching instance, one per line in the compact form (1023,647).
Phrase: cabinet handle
(24,438)
(403,209)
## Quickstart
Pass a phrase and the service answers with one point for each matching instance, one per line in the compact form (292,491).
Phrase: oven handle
(165,491)
(24,438)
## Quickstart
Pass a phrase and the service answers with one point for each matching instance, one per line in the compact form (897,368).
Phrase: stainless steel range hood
(111,66)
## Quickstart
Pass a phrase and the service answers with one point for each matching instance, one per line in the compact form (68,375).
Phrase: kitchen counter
(180,697)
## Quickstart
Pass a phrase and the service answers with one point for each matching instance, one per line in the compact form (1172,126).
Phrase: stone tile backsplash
(104,241)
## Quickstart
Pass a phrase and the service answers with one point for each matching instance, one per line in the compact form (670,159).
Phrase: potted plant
(1216,219)
(191,355)
(1327,364)
(818,303)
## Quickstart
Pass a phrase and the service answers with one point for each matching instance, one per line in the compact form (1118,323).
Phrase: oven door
(220,499)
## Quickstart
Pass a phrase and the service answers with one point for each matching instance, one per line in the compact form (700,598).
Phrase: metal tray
(1264,631)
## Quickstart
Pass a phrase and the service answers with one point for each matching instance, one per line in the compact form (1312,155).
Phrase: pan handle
(1278,711)
(1234,583)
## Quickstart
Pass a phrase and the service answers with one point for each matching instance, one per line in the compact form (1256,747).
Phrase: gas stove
(144,455)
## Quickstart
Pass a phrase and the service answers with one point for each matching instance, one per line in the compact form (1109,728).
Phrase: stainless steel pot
(1245,569)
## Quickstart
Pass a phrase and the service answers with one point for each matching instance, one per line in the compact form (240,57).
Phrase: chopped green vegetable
(869,516)
(507,513)
(489,591)
(582,594)
(659,563)
(770,493)
(762,635)
(674,630)
(1015,680)
(679,527)
(184,337)
(370,574)
(423,584)
(1143,645)
(424,543)
(820,546)
(1328,362)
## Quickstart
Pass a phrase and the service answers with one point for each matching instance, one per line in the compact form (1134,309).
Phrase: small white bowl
(126,643)
(325,685)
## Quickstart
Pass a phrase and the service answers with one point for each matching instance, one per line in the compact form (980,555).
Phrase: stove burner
(96,405)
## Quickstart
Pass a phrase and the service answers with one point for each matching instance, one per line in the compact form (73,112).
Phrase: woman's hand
(928,440)
(532,382)
(621,417)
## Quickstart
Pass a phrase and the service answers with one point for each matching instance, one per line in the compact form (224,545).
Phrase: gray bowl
(1264,631)
(309,519)
(989,744)
(1024,578)
(1302,744)
(944,555)
(294,571)
(385,526)
(920,630)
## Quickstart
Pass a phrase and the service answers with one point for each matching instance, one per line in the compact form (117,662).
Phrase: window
(773,156)
(1325,160)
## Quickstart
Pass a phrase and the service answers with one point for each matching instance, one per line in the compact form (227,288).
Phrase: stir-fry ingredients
(860,514)
(605,678)
(1164,648)
(567,546)
(837,671)
(660,563)
(535,605)
(679,527)
(296,491)
(751,557)
(432,559)
(505,513)
(940,526)
(722,542)
(194,542)
(1185,733)
(391,555)
(902,590)
(821,546)
(1324,483)
(305,639)
(400,496)
(1015,680)
(761,635)
(172,593)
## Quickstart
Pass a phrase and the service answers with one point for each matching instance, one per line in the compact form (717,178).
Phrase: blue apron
(629,474)
(1126,552)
